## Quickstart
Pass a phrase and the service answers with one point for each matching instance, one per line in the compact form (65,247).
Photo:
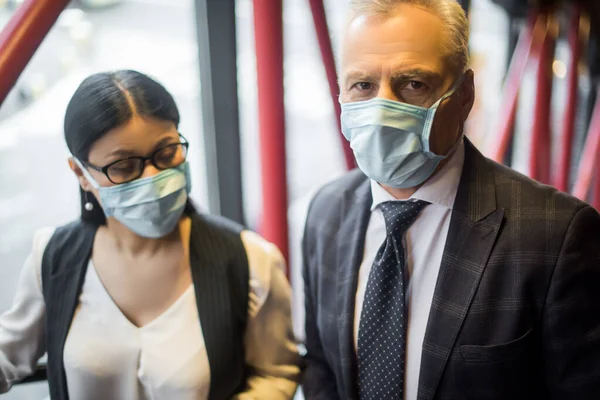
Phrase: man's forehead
(412,10)
(408,29)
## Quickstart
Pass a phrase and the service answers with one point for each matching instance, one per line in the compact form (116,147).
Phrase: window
(37,188)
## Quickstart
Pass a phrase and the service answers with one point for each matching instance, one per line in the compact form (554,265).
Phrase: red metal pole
(21,37)
(526,44)
(320,20)
(268,34)
(540,150)
(590,160)
(561,180)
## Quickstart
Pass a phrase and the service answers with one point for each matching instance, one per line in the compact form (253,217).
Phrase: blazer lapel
(473,229)
(356,211)
(210,255)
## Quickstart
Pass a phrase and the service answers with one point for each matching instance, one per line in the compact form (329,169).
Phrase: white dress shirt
(424,244)
(107,357)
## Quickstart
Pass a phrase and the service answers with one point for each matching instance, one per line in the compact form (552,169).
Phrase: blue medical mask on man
(150,207)
(391,140)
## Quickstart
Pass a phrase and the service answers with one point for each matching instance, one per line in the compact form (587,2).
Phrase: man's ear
(467,95)
(83,182)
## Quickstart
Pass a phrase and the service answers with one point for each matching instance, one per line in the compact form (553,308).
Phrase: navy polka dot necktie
(382,327)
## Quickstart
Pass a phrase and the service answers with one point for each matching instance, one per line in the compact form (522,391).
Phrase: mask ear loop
(87,174)
(451,92)
(431,111)
(88,206)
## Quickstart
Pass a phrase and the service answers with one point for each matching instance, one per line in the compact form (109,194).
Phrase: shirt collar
(441,189)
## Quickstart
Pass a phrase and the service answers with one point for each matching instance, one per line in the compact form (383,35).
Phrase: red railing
(536,45)
(541,139)
(526,44)
(22,36)
(320,20)
(268,34)
(268,28)
(561,178)
(590,162)
(19,40)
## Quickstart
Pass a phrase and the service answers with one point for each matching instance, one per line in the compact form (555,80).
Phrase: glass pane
(29,391)
(37,188)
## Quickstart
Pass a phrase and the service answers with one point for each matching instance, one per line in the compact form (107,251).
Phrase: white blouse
(107,357)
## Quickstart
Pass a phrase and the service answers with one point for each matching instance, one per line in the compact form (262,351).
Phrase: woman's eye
(124,166)
(167,153)
(164,158)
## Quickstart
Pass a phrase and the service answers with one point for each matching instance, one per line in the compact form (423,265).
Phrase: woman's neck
(134,245)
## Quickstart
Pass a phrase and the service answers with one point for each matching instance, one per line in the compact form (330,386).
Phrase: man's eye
(365,86)
(416,85)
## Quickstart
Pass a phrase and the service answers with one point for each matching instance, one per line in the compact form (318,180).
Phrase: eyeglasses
(131,168)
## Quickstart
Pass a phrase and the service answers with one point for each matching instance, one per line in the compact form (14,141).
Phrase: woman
(143,297)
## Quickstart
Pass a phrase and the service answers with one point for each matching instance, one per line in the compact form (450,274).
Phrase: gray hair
(450,13)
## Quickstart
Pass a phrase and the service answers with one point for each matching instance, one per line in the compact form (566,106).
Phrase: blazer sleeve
(319,382)
(22,326)
(571,319)
(271,350)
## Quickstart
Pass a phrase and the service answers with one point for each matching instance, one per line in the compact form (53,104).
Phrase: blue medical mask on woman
(390,139)
(150,207)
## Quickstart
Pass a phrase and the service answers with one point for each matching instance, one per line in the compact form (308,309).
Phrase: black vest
(220,275)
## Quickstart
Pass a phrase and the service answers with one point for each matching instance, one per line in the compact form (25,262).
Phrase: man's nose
(386,92)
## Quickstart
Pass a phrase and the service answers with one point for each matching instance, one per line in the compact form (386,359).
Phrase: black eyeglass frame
(143,161)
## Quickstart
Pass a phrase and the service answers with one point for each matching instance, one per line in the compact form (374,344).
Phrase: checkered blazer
(516,308)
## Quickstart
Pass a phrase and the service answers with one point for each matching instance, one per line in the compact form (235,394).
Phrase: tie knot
(399,215)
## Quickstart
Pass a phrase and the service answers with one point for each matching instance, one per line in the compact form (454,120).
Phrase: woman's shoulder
(266,266)
(41,237)
(33,264)
(255,245)
(215,223)
(67,235)
(259,247)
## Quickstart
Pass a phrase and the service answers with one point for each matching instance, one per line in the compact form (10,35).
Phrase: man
(433,272)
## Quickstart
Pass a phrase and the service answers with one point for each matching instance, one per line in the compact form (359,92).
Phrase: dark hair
(105,101)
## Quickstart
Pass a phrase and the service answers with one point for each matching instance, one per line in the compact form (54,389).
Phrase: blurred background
(168,40)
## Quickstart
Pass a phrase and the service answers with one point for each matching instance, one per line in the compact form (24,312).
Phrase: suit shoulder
(334,191)
(325,204)
(517,191)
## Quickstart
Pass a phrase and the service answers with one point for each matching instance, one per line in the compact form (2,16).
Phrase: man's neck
(403,194)
(399,194)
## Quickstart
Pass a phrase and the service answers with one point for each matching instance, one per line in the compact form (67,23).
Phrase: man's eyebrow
(358,74)
(413,73)
(417,73)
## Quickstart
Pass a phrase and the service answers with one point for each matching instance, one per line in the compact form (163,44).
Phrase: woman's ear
(83,182)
